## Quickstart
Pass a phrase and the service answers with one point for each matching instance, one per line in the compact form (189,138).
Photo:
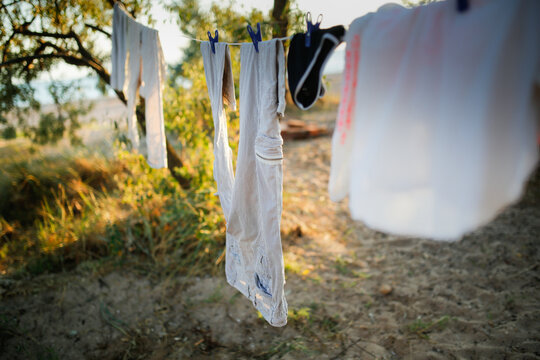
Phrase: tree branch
(54,46)
(91,61)
(23,31)
(97,28)
(29,58)
(6,46)
(81,47)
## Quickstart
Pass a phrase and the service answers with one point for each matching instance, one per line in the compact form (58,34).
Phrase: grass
(215,297)
(282,348)
(58,209)
(298,315)
(342,266)
(26,344)
(422,328)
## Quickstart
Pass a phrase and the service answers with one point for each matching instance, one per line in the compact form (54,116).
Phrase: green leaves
(65,117)
(35,36)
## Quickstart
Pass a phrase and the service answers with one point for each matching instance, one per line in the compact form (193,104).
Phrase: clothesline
(230,43)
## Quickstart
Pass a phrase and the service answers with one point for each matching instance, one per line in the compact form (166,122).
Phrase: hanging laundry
(119,47)
(138,64)
(305,64)
(251,200)
(436,130)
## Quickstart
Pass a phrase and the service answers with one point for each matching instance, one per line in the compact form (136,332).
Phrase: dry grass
(58,209)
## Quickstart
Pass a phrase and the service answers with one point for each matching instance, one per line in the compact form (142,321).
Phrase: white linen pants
(251,201)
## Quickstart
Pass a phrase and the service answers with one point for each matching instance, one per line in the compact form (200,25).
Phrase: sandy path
(478,298)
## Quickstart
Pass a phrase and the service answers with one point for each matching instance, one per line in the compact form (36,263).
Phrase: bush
(58,211)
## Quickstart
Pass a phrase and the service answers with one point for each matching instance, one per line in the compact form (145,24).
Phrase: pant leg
(151,90)
(269,267)
(242,225)
(132,78)
(118,52)
(255,226)
(219,81)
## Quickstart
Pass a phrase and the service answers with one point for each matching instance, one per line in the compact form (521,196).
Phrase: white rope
(229,43)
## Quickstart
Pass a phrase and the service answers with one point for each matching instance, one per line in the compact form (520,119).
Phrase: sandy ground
(474,299)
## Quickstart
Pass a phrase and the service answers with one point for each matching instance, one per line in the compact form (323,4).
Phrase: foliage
(53,125)
(195,22)
(36,35)
(71,208)
(189,113)
(422,328)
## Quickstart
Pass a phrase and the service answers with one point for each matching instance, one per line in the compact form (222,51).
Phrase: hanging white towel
(436,130)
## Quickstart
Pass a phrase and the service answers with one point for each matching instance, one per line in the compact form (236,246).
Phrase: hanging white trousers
(251,200)
(138,65)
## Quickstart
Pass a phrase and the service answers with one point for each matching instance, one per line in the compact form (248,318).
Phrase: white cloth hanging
(437,128)
(138,64)
(251,200)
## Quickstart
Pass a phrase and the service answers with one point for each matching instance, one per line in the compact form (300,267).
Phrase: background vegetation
(70,202)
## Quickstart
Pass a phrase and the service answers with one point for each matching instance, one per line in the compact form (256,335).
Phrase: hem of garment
(509,201)
(161,165)
(268,314)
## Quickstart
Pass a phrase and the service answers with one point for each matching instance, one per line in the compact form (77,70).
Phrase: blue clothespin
(311,27)
(255,37)
(213,40)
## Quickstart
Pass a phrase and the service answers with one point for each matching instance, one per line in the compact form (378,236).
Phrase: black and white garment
(305,64)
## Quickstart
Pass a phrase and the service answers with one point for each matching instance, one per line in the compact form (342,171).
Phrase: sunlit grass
(57,210)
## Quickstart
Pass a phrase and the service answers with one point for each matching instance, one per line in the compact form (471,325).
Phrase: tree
(195,22)
(37,34)
(280,18)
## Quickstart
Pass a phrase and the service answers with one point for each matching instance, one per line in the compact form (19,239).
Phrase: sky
(335,12)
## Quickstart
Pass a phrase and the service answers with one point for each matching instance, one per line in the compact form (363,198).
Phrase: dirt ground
(353,293)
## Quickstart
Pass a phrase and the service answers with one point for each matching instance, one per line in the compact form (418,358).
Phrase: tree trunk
(280,18)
